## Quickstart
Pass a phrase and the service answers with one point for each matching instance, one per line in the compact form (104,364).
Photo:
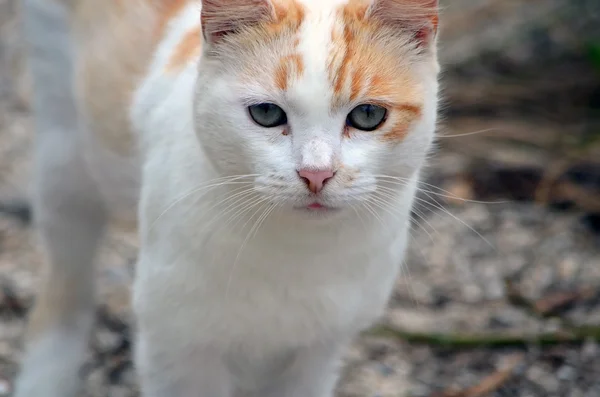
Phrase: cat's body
(264,249)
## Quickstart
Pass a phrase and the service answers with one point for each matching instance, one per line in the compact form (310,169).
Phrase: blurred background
(500,294)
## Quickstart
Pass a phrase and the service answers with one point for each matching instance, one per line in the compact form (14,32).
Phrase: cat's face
(319,98)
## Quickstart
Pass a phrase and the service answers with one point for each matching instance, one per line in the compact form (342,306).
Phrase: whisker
(414,240)
(240,201)
(235,197)
(418,224)
(381,205)
(243,245)
(264,217)
(404,266)
(358,216)
(411,290)
(245,207)
(470,133)
(374,213)
(403,182)
(437,205)
(440,207)
(232,180)
(421,215)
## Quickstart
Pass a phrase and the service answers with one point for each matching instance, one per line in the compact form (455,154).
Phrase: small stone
(543,378)
(567,268)
(120,391)
(420,391)
(472,293)
(566,372)
(590,349)
(576,393)
(385,370)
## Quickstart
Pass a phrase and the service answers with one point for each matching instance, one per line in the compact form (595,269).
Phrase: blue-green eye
(267,115)
(366,117)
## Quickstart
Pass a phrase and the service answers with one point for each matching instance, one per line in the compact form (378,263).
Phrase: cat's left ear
(223,17)
(419,17)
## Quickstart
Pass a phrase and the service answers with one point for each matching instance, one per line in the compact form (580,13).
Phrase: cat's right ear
(419,17)
(223,17)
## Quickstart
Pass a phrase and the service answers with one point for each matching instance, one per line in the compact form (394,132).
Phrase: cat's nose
(315,180)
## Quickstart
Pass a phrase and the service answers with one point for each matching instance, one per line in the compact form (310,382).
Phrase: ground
(496,298)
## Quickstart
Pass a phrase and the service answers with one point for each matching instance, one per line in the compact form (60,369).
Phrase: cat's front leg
(314,373)
(166,369)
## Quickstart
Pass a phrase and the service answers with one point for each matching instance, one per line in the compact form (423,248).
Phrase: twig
(576,335)
(551,304)
(517,299)
(488,384)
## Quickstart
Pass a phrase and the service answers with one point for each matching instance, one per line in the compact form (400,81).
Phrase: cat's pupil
(369,111)
(265,108)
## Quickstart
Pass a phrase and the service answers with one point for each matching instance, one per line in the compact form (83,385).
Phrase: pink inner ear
(425,34)
(422,35)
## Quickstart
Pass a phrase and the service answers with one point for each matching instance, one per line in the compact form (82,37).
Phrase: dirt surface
(496,299)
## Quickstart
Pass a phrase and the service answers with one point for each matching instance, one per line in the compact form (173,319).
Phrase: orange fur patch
(187,49)
(281,28)
(168,9)
(403,116)
(435,20)
(344,58)
(290,66)
(362,67)
(289,14)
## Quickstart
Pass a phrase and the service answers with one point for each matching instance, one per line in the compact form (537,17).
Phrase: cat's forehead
(329,55)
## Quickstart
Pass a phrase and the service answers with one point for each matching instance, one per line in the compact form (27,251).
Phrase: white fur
(230,302)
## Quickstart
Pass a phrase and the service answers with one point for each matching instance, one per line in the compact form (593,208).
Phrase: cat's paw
(51,368)
(46,382)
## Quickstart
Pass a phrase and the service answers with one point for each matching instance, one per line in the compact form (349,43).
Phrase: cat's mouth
(316,207)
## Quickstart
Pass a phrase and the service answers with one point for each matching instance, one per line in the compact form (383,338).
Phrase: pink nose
(315,179)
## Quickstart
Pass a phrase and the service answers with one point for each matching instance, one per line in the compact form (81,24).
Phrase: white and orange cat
(270,150)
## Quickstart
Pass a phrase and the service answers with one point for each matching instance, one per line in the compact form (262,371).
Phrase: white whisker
(242,209)
(440,207)
(411,290)
(230,180)
(362,221)
(403,182)
(243,245)
(235,197)
(238,202)
(373,212)
(470,133)
(421,217)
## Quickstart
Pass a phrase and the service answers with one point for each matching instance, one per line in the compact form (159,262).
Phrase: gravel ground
(475,312)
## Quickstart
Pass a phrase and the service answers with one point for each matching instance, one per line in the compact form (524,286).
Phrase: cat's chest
(275,297)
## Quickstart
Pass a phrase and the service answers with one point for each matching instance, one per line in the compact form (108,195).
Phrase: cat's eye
(366,117)
(267,115)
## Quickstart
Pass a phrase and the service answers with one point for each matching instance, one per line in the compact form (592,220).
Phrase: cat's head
(321,99)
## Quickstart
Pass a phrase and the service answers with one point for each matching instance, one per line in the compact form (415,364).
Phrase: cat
(269,152)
